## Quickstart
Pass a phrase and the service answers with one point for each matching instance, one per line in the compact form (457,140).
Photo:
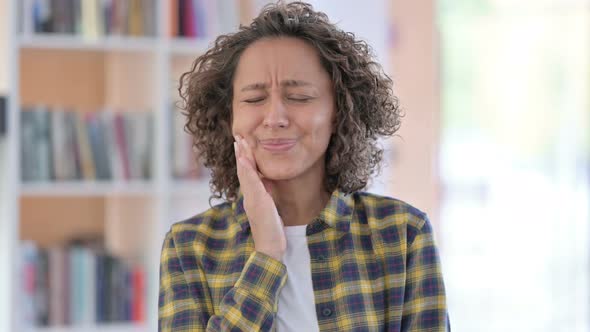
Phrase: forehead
(281,58)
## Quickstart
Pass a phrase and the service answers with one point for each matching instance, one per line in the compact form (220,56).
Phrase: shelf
(105,327)
(176,46)
(74,42)
(191,187)
(87,188)
(189,46)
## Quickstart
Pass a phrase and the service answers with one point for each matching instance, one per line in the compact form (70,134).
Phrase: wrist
(276,254)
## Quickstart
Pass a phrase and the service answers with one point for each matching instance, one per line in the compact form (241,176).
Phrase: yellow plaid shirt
(374,265)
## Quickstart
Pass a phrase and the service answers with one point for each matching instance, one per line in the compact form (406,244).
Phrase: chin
(278,173)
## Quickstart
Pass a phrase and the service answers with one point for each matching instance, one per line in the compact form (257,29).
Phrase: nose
(276,114)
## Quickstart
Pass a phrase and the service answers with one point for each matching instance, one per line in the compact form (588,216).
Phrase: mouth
(278,145)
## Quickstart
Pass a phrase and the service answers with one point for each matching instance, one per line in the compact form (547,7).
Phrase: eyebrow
(285,83)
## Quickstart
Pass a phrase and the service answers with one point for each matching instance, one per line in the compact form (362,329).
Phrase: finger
(239,150)
(237,146)
(247,173)
(241,147)
(242,153)
(249,154)
(238,164)
(240,167)
(247,150)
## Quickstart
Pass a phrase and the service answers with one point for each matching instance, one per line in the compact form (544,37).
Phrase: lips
(278,145)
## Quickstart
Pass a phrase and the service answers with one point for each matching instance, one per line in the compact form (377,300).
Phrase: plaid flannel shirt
(374,265)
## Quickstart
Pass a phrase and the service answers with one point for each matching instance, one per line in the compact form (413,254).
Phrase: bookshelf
(69,42)
(89,188)
(52,67)
(103,328)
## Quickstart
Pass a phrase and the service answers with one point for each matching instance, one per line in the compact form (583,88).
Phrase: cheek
(322,127)
(241,123)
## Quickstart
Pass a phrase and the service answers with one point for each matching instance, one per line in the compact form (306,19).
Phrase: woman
(286,113)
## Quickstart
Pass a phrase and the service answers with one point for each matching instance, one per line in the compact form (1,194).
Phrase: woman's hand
(265,222)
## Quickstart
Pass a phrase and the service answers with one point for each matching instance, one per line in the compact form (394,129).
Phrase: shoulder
(391,217)
(218,218)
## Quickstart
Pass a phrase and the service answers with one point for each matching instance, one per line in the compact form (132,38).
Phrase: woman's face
(283,105)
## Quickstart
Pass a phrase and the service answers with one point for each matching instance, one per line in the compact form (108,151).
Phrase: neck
(301,199)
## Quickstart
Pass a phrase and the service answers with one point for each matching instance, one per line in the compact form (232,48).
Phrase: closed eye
(300,98)
(254,100)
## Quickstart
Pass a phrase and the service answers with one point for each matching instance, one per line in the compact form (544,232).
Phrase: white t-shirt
(296,307)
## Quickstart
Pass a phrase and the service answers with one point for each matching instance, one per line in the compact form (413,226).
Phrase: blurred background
(94,166)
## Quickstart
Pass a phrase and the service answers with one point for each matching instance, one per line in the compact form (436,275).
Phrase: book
(27,153)
(42,302)
(203,18)
(122,148)
(143,142)
(3,115)
(137,296)
(72,153)
(89,19)
(79,285)
(174,18)
(111,145)
(42,138)
(88,170)
(135,19)
(36,156)
(59,144)
(42,16)
(82,285)
(97,140)
(58,281)
(28,281)
(93,19)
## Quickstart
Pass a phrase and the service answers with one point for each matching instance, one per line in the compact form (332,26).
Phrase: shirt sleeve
(248,306)
(425,308)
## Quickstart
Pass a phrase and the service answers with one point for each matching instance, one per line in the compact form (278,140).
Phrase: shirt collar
(336,214)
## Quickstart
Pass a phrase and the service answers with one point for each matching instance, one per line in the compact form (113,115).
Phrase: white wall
(367,20)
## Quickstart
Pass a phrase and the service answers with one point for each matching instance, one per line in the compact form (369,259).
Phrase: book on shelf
(184,164)
(58,144)
(92,19)
(3,115)
(36,156)
(203,18)
(79,284)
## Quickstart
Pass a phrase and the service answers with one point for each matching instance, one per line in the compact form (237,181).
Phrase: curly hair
(366,107)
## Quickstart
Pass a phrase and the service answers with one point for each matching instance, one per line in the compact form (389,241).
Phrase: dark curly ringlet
(366,107)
